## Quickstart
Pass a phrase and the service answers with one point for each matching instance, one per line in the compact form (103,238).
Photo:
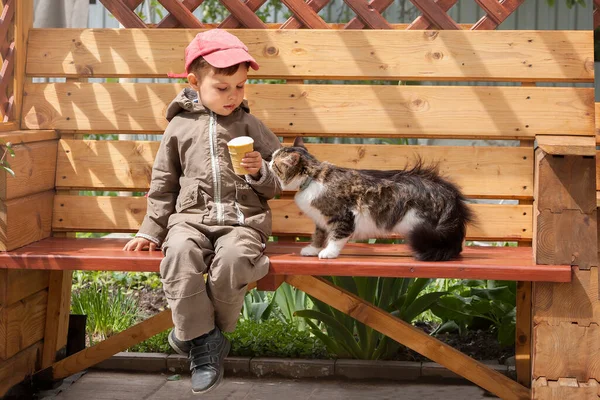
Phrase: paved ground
(97,385)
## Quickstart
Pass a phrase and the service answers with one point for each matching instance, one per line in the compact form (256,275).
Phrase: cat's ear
(291,160)
(298,142)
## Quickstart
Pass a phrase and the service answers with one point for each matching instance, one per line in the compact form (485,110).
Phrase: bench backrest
(307,103)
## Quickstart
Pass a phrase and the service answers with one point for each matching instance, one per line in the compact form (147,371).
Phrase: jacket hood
(185,101)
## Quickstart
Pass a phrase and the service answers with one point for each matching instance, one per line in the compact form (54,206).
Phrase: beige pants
(232,256)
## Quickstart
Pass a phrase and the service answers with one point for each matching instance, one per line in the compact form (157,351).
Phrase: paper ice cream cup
(238,148)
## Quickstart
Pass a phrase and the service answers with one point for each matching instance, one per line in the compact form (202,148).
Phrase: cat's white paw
(329,252)
(309,251)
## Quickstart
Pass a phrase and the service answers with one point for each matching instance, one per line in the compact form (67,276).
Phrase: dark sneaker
(182,347)
(207,361)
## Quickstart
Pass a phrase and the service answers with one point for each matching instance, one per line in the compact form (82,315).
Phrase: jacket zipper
(214,160)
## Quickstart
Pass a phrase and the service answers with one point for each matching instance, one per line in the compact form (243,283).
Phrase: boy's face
(220,93)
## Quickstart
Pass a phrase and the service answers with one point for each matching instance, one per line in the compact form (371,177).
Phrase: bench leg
(114,344)
(57,316)
(410,336)
(523,334)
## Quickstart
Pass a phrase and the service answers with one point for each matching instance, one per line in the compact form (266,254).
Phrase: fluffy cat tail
(444,241)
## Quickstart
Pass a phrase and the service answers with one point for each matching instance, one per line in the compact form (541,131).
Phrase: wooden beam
(114,344)
(567,145)
(17,368)
(57,315)
(22,324)
(523,334)
(25,220)
(565,217)
(34,165)
(410,336)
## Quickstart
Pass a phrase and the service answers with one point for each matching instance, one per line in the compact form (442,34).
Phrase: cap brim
(229,57)
(173,75)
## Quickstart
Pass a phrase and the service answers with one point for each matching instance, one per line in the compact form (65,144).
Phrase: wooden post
(566,354)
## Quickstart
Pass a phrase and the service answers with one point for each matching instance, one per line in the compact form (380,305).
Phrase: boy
(205,218)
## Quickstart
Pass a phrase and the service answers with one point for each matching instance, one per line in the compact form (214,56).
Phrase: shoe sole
(219,380)
(177,349)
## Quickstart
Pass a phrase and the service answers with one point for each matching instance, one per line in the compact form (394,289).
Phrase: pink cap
(219,48)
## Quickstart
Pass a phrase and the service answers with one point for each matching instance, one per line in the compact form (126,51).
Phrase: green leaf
(7,169)
(415,288)
(502,294)
(420,305)
(347,338)
(175,377)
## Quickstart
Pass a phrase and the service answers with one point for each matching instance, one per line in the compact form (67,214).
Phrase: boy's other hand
(138,244)
(252,163)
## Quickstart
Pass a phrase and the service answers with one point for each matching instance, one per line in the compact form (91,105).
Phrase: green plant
(7,150)
(127,280)
(156,344)
(348,338)
(257,305)
(290,300)
(109,311)
(476,304)
(273,338)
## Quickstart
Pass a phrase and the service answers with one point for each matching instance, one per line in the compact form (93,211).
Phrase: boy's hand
(137,244)
(252,163)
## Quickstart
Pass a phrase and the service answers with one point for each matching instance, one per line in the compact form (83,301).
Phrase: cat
(345,203)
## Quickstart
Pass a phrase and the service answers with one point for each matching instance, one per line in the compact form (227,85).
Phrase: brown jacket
(192,176)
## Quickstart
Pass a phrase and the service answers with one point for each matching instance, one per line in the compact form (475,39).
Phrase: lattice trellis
(7,57)
(305,14)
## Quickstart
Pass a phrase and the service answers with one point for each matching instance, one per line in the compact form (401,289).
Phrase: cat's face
(289,165)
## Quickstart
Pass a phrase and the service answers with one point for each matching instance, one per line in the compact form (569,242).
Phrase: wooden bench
(44,204)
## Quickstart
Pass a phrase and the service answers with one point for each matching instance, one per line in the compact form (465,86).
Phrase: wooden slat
(25,220)
(376,6)
(566,350)
(486,23)
(410,336)
(329,110)
(567,145)
(22,324)
(170,21)
(182,13)
(421,22)
(123,13)
(243,14)
(34,165)
(305,14)
(434,13)
(365,12)
(23,25)
(6,18)
(357,259)
(16,136)
(378,54)
(18,368)
(230,22)
(125,214)
(482,172)
(294,23)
